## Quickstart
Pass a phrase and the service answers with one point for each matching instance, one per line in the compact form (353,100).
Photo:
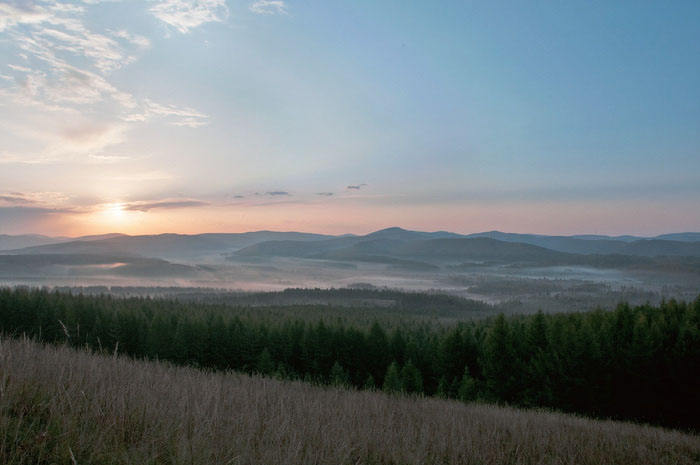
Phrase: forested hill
(635,363)
(394,242)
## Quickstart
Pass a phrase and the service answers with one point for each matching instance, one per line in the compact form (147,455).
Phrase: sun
(114,211)
(113,215)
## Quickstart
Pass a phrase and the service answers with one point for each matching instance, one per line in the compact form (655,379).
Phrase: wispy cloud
(22,69)
(325,194)
(277,193)
(269,7)
(88,138)
(11,15)
(46,198)
(355,187)
(135,39)
(179,116)
(108,158)
(7,213)
(146,206)
(65,69)
(16,198)
(185,15)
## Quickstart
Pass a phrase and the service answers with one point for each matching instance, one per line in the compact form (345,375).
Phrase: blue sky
(547,117)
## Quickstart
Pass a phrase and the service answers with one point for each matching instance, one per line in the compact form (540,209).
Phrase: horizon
(116,233)
(195,116)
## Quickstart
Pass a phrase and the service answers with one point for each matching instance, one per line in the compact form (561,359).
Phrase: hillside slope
(62,406)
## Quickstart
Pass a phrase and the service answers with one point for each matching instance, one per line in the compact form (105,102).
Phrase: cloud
(355,187)
(54,28)
(144,207)
(134,39)
(11,15)
(22,69)
(180,116)
(108,158)
(86,138)
(277,193)
(269,7)
(185,15)
(325,194)
(52,35)
(90,134)
(52,199)
(239,196)
(16,197)
(65,69)
(22,213)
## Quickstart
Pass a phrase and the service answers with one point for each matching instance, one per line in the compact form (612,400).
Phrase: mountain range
(396,247)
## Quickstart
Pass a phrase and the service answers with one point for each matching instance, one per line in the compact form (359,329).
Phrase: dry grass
(62,406)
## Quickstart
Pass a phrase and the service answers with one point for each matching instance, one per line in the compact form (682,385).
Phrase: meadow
(61,405)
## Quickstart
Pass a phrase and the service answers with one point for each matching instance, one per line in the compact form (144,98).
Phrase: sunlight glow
(114,216)
(114,211)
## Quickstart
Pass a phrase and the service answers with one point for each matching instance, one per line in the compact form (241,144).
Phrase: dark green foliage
(265,365)
(339,377)
(411,379)
(467,387)
(637,363)
(392,380)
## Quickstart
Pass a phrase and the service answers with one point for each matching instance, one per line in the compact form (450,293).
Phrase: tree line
(638,363)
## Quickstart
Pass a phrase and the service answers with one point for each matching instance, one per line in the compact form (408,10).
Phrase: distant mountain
(401,234)
(623,245)
(598,237)
(291,248)
(27,240)
(558,243)
(423,251)
(686,237)
(479,248)
(393,246)
(97,237)
(77,265)
(167,246)
(658,247)
(33,240)
(419,249)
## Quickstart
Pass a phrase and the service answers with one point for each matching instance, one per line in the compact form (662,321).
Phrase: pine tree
(377,352)
(265,364)
(499,361)
(392,380)
(339,377)
(369,383)
(442,388)
(411,379)
(467,387)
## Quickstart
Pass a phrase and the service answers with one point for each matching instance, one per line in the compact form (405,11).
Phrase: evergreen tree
(339,377)
(499,361)
(411,379)
(392,380)
(265,364)
(442,389)
(369,383)
(467,387)
(377,352)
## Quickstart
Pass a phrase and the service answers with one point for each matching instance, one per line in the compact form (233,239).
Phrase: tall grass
(58,405)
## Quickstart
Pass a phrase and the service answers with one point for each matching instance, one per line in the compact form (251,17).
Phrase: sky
(193,116)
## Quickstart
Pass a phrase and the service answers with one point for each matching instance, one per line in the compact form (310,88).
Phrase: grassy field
(58,405)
